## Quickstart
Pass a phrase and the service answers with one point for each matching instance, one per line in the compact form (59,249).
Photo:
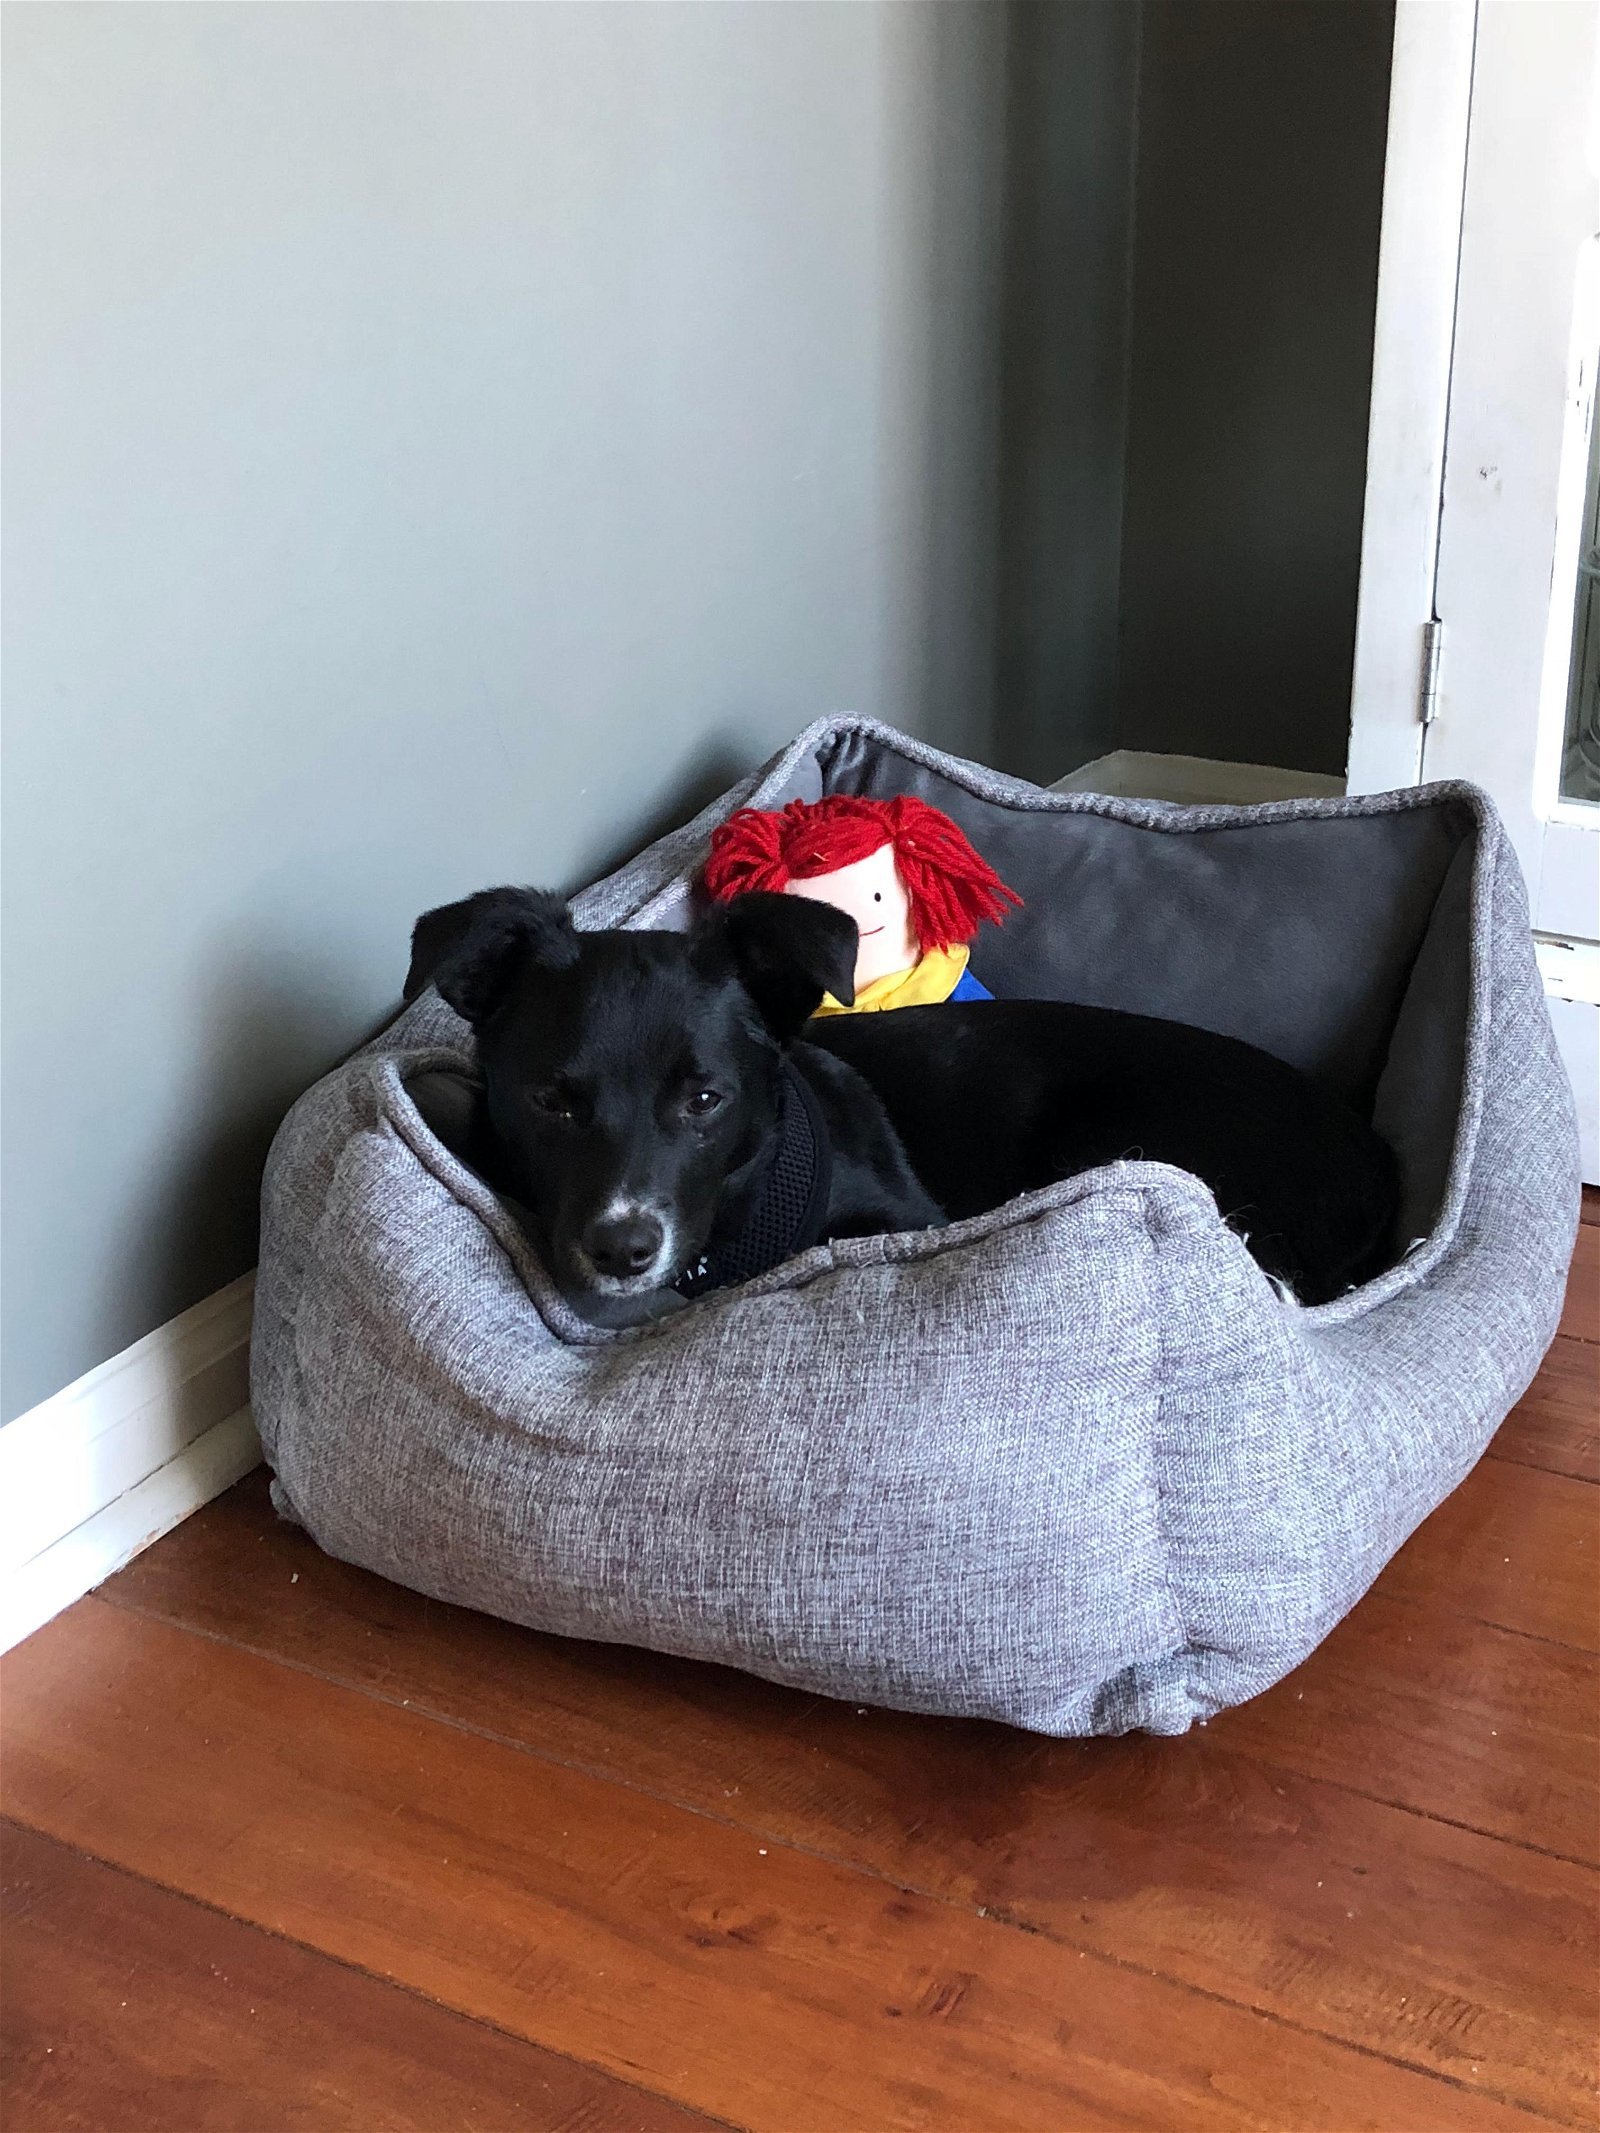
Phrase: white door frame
(1424,192)
(1516,458)
(1437,249)
(1457,252)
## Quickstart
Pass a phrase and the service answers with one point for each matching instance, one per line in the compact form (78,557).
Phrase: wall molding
(114,1460)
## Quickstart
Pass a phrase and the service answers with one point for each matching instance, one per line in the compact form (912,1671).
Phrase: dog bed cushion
(1076,1464)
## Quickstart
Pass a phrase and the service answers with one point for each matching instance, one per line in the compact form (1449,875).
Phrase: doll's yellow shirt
(932,979)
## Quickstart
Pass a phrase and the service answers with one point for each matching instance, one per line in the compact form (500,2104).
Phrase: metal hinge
(1432,648)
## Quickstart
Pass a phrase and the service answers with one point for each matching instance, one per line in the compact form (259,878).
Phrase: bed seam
(1158,1298)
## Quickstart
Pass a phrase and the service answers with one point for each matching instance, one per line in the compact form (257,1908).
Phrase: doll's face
(871,891)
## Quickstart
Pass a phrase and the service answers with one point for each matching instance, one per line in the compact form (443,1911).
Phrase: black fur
(595,1047)
(994,1098)
(594,1050)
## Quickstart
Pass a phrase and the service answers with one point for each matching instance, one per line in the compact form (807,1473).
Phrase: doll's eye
(877,896)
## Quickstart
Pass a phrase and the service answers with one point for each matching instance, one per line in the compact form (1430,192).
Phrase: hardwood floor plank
(1580,1317)
(1556,1424)
(1184,1857)
(1485,1736)
(758,1983)
(1445,1715)
(1590,1211)
(1513,1546)
(131,2010)
(1412,1701)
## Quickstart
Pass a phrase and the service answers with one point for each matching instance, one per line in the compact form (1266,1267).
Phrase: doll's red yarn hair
(951,888)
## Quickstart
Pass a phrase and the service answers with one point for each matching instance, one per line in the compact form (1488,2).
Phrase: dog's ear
(469,950)
(788,952)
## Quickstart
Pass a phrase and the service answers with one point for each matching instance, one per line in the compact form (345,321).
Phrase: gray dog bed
(1075,1464)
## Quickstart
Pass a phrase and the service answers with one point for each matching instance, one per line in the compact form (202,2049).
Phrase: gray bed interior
(1339,943)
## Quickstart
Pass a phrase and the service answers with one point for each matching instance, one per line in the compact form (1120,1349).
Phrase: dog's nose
(621,1245)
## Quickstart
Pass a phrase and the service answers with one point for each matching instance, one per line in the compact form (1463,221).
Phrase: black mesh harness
(790,1202)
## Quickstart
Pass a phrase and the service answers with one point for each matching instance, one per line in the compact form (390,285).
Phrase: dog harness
(790,1201)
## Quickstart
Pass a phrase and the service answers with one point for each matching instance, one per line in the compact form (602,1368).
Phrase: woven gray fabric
(1075,1464)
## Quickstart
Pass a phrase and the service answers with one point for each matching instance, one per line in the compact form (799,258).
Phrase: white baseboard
(105,1466)
(31,1594)
(1197,780)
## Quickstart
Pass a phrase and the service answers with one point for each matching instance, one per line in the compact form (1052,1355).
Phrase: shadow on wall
(942,177)
(1071,90)
(270,1012)
(1193,197)
(1262,133)
(715,763)
(263,1039)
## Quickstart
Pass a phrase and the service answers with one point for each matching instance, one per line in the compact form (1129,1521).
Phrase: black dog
(644,1098)
(994,1098)
(640,1099)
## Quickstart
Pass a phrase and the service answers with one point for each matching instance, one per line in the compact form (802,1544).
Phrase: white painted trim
(1570,969)
(92,1474)
(87,1556)
(1567,901)
(1571,973)
(1527,307)
(1140,774)
(1571,501)
(1419,252)
(1577,1032)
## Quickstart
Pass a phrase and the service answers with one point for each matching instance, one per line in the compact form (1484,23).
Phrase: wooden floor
(291,1848)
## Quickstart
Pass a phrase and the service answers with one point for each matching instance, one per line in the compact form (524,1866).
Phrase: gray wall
(1257,205)
(444,442)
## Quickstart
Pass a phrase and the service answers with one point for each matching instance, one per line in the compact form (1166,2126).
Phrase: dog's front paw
(447,1103)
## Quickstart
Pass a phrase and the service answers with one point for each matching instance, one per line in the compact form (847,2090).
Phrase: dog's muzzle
(627,1250)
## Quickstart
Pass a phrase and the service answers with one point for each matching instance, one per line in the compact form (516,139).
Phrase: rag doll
(915,887)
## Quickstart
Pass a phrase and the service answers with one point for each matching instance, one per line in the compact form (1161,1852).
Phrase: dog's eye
(556,1102)
(703,1103)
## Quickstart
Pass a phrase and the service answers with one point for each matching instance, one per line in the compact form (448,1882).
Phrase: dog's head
(630,1080)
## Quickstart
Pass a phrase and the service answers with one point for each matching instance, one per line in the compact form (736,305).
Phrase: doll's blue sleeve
(968,988)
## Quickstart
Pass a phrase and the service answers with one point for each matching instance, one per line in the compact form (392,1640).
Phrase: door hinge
(1432,649)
